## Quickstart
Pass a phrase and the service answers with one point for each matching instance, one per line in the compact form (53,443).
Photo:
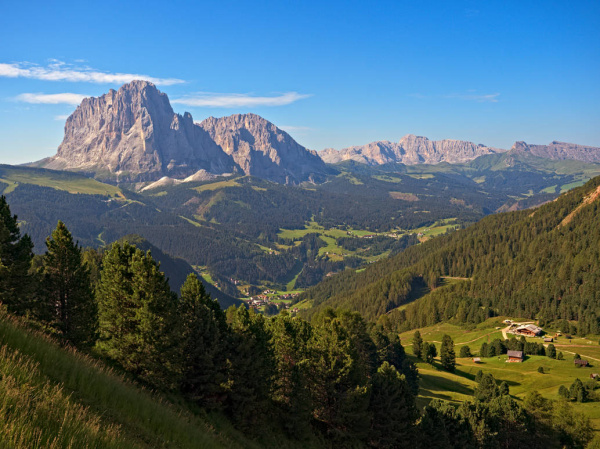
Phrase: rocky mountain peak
(559,151)
(133,134)
(262,149)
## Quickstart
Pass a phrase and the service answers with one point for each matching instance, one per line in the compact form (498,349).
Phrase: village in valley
(271,297)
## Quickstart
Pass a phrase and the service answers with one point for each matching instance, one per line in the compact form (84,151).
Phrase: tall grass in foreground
(36,414)
(52,397)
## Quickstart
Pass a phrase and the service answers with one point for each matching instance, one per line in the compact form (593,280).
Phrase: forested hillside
(184,373)
(537,264)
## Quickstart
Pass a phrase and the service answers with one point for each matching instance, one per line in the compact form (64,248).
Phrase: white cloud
(59,71)
(214,100)
(64,98)
(61,117)
(488,98)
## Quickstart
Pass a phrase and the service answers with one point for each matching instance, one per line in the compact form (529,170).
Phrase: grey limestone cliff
(133,134)
(560,151)
(261,149)
(410,150)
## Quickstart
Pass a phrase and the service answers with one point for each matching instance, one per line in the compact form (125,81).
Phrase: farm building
(515,356)
(548,340)
(581,362)
(476,360)
(595,376)
(528,330)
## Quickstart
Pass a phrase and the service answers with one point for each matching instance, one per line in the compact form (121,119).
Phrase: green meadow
(70,182)
(522,378)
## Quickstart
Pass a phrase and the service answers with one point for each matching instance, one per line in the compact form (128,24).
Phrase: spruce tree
(577,391)
(251,367)
(447,354)
(487,389)
(393,409)
(563,392)
(66,291)
(430,352)
(551,351)
(478,376)
(411,373)
(339,386)
(294,365)
(136,314)
(15,260)
(417,345)
(465,352)
(203,335)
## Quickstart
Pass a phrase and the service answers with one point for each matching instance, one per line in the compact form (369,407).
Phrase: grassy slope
(521,377)
(56,398)
(70,182)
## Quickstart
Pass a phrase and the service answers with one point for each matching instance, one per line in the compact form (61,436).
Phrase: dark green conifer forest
(540,263)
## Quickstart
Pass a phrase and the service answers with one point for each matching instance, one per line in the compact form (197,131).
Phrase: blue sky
(333,74)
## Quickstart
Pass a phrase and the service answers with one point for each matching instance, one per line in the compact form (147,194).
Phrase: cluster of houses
(288,296)
(257,301)
(527,330)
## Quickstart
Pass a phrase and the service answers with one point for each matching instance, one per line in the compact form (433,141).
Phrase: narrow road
(569,352)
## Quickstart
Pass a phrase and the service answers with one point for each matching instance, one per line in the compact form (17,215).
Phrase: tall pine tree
(339,386)
(417,345)
(393,408)
(447,354)
(204,336)
(15,260)
(290,341)
(136,314)
(251,366)
(66,291)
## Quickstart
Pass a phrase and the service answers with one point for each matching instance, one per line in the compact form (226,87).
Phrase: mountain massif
(410,150)
(133,135)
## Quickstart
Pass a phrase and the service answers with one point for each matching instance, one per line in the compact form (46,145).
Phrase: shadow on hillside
(434,384)
(470,376)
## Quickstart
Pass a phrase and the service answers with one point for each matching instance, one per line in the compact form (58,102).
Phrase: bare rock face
(560,151)
(133,135)
(410,150)
(261,149)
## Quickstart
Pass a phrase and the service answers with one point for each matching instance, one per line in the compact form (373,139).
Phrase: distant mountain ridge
(133,134)
(559,151)
(410,150)
(413,150)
